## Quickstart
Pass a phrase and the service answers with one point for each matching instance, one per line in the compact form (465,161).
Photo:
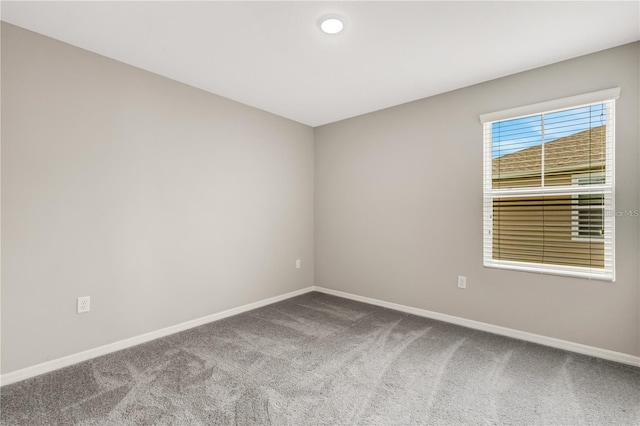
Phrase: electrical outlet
(462,281)
(297,263)
(84,304)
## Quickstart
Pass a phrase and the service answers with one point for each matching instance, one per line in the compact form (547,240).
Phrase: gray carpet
(322,360)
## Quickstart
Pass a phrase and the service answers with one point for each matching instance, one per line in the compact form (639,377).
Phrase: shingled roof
(582,150)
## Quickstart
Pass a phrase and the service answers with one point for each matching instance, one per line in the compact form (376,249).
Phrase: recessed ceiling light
(331,24)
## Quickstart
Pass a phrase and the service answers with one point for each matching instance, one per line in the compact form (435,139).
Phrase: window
(549,187)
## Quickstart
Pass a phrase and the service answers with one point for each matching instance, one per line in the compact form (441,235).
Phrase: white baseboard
(495,329)
(46,367)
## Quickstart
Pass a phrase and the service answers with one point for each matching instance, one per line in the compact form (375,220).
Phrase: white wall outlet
(84,304)
(462,281)
(297,263)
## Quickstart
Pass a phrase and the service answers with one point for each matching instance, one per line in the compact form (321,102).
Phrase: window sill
(567,271)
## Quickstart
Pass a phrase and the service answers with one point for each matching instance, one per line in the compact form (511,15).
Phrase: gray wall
(162,202)
(399,209)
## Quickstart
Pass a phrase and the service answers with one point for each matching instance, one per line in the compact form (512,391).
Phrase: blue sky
(514,135)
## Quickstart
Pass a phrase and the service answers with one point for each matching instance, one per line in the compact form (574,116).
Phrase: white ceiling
(272,55)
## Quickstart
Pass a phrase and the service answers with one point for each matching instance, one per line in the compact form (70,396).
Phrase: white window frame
(608,188)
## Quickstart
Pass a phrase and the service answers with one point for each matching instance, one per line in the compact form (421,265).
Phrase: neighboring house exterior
(558,229)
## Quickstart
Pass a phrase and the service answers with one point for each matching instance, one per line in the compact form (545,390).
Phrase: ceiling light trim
(332,24)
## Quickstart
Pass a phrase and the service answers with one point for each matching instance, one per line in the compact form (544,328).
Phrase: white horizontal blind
(549,191)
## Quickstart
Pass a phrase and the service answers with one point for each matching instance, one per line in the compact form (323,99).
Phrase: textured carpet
(322,360)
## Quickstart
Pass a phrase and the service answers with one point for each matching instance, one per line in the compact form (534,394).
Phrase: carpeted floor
(322,360)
